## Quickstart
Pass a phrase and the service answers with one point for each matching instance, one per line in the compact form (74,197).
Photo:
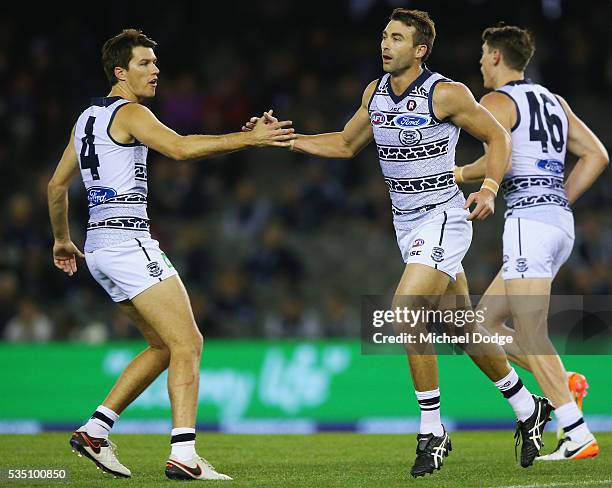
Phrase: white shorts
(129,268)
(440,242)
(534,249)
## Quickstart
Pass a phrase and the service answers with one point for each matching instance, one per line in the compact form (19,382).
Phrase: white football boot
(101,451)
(568,450)
(196,469)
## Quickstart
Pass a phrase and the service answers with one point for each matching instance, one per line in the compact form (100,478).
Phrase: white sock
(183,443)
(574,426)
(101,422)
(519,397)
(429,403)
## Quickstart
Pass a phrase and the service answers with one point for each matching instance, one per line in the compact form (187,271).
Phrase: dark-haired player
(108,147)
(539,229)
(415,116)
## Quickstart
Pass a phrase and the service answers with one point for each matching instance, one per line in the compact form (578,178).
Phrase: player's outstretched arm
(139,122)
(357,134)
(504,111)
(592,155)
(64,250)
(454,102)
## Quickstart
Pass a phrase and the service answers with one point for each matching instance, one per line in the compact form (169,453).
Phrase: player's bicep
(357,132)
(68,167)
(142,124)
(475,119)
(453,101)
(502,108)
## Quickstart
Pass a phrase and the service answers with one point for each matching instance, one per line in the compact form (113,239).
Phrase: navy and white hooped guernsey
(416,150)
(114,175)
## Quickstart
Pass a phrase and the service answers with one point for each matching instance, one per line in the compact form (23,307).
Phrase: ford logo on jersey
(411,121)
(551,165)
(99,194)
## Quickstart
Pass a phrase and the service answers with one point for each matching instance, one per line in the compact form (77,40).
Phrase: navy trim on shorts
(442,231)
(143,250)
(442,234)
(520,247)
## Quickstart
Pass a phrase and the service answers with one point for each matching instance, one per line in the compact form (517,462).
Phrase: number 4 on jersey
(537,131)
(89,158)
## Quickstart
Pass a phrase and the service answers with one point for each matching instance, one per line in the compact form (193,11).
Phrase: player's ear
(421,51)
(120,73)
(496,57)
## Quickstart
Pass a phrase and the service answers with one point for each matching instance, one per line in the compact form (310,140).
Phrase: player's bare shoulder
(127,119)
(133,110)
(502,107)
(449,97)
(497,99)
(368,93)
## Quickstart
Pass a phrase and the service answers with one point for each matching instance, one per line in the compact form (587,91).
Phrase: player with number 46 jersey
(539,229)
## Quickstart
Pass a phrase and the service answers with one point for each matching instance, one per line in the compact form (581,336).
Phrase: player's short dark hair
(516,44)
(425,29)
(117,51)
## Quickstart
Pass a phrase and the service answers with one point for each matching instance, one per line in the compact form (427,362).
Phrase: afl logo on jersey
(410,121)
(99,194)
(411,105)
(410,137)
(551,165)
(377,118)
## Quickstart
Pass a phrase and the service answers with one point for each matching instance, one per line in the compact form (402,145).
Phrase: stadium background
(276,249)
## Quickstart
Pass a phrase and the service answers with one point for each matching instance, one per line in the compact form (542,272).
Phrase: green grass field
(479,459)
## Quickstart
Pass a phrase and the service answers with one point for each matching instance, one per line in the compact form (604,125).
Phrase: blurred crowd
(268,243)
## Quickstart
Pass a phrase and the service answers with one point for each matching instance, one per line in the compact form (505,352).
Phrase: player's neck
(119,90)
(507,76)
(401,80)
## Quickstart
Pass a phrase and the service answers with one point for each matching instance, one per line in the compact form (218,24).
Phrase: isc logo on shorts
(154,270)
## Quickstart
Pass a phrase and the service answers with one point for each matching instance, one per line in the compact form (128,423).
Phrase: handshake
(268,131)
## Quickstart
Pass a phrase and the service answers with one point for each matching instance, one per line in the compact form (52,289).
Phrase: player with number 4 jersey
(109,146)
(539,229)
